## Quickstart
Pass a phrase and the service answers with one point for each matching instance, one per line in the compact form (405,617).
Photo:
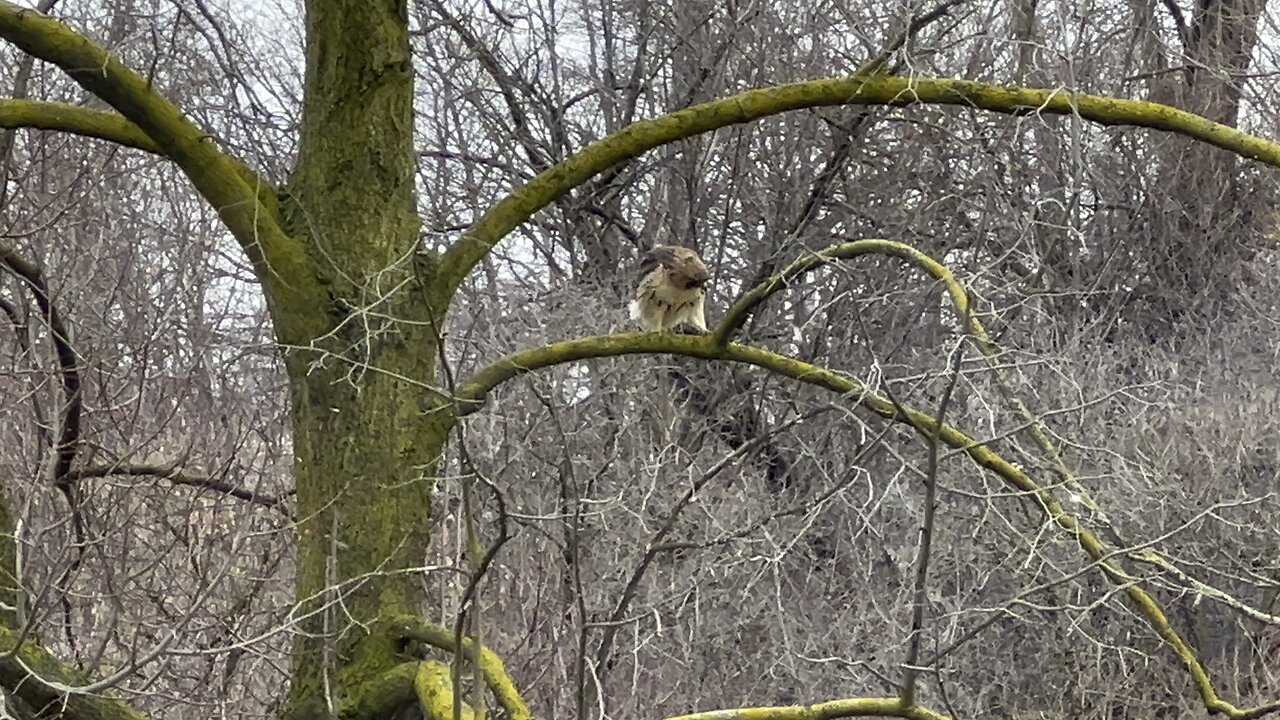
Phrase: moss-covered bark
(46,697)
(10,582)
(367,433)
(365,458)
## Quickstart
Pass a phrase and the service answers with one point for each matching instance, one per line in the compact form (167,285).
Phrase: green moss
(365,470)
(434,687)
(17,663)
(368,428)
(382,695)
(411,628)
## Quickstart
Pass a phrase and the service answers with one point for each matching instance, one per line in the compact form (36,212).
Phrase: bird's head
(687,270)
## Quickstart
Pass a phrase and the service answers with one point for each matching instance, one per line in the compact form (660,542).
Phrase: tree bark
(367,432)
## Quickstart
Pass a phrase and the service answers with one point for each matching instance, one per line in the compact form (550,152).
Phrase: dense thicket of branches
(1130,278)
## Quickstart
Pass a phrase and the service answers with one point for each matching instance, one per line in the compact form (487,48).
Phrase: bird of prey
(671,290)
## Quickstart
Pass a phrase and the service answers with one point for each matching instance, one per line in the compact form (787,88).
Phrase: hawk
(671,290)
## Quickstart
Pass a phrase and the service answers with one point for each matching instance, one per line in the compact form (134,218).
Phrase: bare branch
(920,595)
(507,84)
(848,708)
(656,543)
(914,25)
(1152,557)
(180,477)
(1180,22)
(68,443)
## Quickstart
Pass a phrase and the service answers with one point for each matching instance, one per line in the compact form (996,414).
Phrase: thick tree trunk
(364,461)
(367,432)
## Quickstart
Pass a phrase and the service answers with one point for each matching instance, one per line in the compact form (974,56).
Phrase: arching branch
(471,395)
(645,135)
(474,390)
(747,303)
(231,188)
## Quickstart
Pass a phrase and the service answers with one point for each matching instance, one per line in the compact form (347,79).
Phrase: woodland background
(1130,277)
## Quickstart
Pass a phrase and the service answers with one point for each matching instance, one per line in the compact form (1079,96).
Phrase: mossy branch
(42,682)
(495,673)
(746,304)
(472,394)
(234,191)
(103,125)
(64,117)
(645,135)
(434,688)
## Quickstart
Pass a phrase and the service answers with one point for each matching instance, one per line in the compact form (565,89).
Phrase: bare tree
(309,413)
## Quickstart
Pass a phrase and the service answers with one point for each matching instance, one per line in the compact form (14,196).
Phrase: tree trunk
(1201,233)
(367,433)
